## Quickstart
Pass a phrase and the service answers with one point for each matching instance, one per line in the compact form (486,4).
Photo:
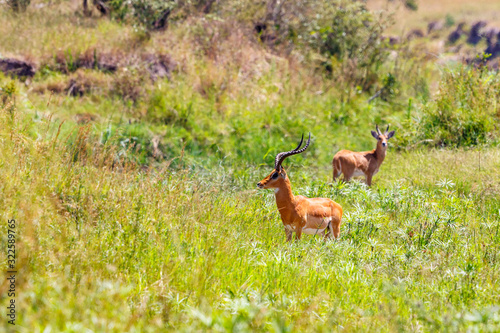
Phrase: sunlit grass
(120,249)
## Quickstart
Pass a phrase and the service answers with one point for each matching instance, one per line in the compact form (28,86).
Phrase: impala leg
(335,228)
(368,179)
(327,233)
(337,169)
(336,173)
(347,178)
(288,233)
(347,174)
(298,234)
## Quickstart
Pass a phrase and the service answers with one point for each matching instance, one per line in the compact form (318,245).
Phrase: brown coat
(299,214)
(367,163)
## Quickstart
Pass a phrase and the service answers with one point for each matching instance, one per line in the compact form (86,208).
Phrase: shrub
(464,112)
(345,34)
(411,4)
(18,5)
(147,14)
(353,42)
(152,14)
(8,93)
(130,84)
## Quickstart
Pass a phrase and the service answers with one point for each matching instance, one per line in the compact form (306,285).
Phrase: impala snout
(264,184)
(384,144)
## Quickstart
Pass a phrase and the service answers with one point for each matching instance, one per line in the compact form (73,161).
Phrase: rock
(393,40)
(456,34)
(491,33)
(159,66)
(18,68)
(434,26)
(475,33)
(493,41)
(415,33)
(107,62)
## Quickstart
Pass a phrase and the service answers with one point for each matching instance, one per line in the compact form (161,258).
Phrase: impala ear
(375,135)
(390,135)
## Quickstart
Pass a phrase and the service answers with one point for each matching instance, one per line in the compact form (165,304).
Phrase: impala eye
(274,176)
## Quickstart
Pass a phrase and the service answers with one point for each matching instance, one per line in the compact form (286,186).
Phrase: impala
(315,216)
(367,163)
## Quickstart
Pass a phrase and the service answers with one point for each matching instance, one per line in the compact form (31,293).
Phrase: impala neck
(284,197)
(380,153)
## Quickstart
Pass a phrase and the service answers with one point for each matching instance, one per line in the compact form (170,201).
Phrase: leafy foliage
(464,112)
(146,14)
(152,14)
(345,34)
(18,5)
(354,43)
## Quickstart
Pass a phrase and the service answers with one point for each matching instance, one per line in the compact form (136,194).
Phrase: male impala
(300,214)
(353,164)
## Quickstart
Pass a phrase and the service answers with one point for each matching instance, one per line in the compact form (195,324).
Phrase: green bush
(354,33)
(18,5)
(353,44)
(342,37)
(146,14)
(464,112)
(152,14)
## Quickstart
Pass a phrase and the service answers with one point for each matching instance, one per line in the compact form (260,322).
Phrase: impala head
(382,138)
(278,175)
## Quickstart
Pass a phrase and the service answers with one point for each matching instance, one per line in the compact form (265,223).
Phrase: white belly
(315,225)
(358,173)
(311,231)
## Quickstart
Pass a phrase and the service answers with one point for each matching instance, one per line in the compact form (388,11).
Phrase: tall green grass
(104,246)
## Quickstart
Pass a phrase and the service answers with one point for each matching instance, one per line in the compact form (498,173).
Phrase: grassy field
(128,250)
(136,201)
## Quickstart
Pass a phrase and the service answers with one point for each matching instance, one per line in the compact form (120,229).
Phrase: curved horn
(378,131)
(387,130)
(278,160)
(281,156)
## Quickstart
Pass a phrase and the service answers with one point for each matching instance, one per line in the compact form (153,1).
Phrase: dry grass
(432,10)
(480,165)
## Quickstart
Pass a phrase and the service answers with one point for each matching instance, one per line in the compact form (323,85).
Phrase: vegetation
(115,154)
(464,112)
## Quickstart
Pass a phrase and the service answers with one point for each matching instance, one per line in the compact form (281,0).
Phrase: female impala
(298,213)
(367,163)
